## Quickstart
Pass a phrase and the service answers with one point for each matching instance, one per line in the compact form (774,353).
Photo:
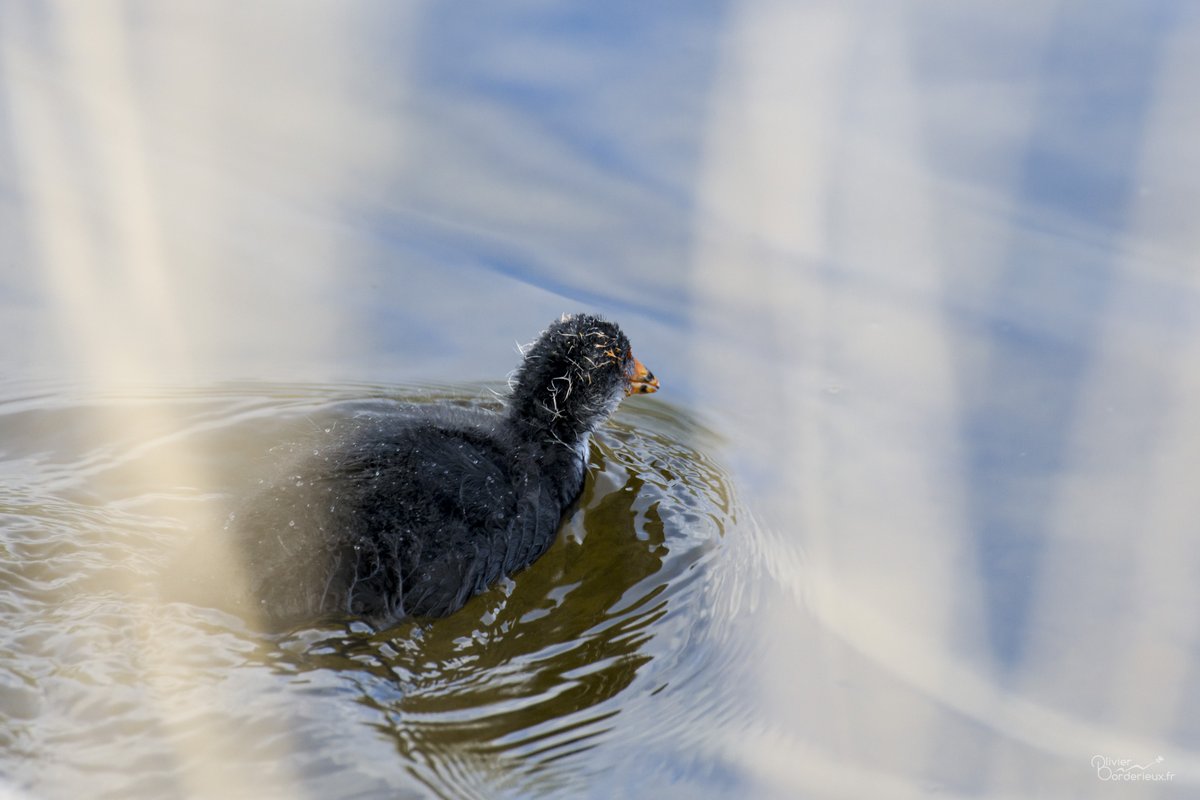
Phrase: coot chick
(411,513)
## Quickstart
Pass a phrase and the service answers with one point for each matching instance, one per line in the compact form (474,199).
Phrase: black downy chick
(413,513)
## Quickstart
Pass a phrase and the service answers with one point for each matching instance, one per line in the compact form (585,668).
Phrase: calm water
(914,513)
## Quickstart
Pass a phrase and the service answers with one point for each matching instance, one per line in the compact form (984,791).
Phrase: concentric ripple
(106,690)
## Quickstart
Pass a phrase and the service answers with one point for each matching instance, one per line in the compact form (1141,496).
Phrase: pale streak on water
(800,210)
(837,283)
(151,177)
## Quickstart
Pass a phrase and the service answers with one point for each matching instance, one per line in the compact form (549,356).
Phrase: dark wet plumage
(410,513)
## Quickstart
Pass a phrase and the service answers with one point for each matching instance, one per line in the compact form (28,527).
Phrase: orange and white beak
(642,381)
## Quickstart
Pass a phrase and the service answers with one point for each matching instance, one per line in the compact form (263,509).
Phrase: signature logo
(1125,769)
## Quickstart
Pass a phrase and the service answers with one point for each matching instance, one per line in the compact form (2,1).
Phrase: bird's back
(406,515)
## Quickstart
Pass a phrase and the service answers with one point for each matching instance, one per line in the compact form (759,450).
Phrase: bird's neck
(568,466)
(554,438)
(555,421)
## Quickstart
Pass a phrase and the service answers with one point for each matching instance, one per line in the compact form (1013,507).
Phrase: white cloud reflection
(839,256)
(180,218)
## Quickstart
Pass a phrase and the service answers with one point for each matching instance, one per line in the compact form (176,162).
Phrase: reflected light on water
(833,257)
(948,253)
(157,266)
(181,218)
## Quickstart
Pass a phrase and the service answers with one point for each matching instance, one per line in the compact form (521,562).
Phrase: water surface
(911,515)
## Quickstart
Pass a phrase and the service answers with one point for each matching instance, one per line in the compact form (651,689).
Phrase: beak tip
(642,381)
